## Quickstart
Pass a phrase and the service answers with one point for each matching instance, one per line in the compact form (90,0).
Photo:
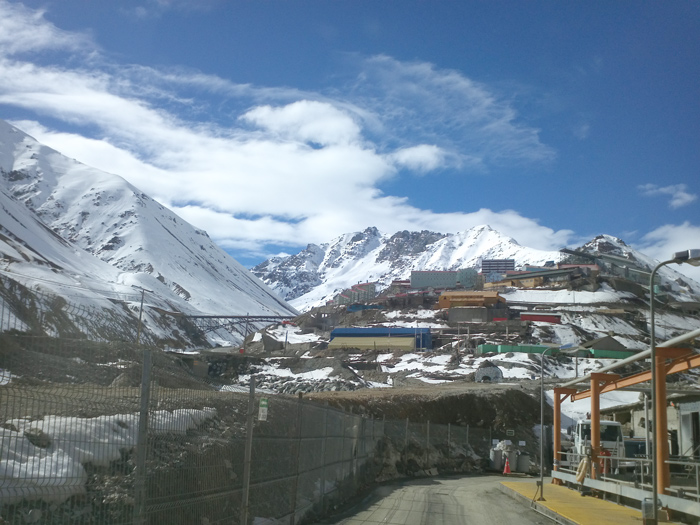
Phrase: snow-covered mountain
(318,273)
(70,219)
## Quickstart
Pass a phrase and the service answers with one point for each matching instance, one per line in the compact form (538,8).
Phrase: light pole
(568,345)
(686,256)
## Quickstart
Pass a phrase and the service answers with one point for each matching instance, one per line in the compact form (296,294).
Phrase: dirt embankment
(490,409)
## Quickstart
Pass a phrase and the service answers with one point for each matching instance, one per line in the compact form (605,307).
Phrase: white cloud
(445,108)
(23,30)
(678,192)
(666,240)
(306,121)
(422,158)
(282,167)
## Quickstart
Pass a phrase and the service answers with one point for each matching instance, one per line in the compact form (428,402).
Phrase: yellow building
(374,343)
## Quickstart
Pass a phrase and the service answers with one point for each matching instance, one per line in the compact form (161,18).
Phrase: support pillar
(660,424)
(556,426)
(598,381)
(595,423)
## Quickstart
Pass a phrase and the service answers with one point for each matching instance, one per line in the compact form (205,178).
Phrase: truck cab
(611,440)
(579,445)
(610,437)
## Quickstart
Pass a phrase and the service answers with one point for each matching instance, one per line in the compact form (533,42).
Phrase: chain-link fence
(98,430)
(115,433)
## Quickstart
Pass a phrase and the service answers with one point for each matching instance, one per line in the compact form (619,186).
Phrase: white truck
(578,445)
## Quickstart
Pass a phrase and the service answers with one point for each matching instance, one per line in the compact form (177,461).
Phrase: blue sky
(274,124)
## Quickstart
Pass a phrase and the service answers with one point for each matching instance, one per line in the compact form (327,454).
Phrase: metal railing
(636,471)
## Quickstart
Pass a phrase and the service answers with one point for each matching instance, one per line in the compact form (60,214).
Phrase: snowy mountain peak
(607,244)
(318,273)
(115,222)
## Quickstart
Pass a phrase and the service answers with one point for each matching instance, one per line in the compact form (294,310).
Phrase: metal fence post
(248,453)
(353,444)
(295,483)
(359,448)
(142,441)
(2,313)
(138,332)
(405,443)
(449,450)
(323,458)
(342,448)
(427,444)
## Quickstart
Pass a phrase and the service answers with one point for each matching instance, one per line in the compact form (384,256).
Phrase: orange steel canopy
(669,360)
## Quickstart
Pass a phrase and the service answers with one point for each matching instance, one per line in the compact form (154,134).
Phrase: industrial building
(477,314)
(382,337)
(541,317)
(464,298)
(464,278)
(358,293)
(497,265)
(538,278)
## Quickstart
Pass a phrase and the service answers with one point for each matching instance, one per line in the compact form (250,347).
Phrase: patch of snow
(56,472)
(5,377)
(604,295)
(291,334)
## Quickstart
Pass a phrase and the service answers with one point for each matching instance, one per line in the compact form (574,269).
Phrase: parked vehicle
(578,445)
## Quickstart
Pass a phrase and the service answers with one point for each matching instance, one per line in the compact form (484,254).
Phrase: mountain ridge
(370,255)
(93,212)
(316,274)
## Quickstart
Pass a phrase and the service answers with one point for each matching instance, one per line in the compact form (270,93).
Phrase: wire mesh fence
(97,429)
(33,311)
(100,433)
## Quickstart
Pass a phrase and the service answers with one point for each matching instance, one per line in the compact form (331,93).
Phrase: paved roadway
(473,500)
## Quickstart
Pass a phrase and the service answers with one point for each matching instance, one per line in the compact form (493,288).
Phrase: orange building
(462,298)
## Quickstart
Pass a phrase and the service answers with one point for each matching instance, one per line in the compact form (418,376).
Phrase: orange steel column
(556,426)
(595,422)
(661,425)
